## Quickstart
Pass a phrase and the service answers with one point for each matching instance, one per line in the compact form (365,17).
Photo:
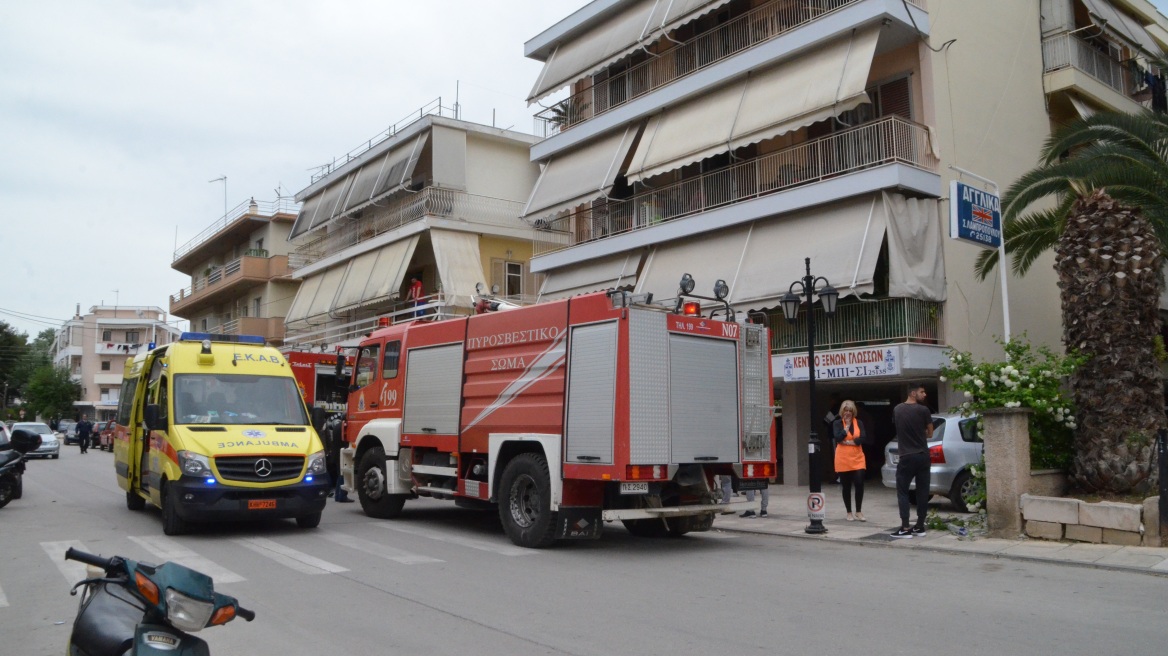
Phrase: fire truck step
(431,470)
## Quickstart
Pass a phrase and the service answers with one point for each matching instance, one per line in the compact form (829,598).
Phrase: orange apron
(850,457)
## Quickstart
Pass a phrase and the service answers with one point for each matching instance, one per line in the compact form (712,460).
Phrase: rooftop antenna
(223,179)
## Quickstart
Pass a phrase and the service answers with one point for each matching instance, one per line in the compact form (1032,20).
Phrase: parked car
(67,428)
(956,446)
(50,447)
(106,436)
(95,435)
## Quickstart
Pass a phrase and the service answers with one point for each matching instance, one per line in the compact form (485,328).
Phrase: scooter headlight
(316,464)
(185,613)
(194,464)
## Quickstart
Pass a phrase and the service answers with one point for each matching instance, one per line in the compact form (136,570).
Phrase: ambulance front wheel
(525,501)
(375,500)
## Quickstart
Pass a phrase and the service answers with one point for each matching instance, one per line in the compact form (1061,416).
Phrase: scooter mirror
(25,440)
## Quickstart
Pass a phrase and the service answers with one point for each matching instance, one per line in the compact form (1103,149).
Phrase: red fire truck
(565,415)
(316,376)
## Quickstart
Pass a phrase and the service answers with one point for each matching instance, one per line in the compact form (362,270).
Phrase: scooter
(131,608)
(12,463)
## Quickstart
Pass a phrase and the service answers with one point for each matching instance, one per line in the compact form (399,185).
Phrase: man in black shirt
(84,428)
(914,429)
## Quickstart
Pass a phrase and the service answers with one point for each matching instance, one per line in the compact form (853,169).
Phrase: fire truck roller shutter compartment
(648,388)
(591,393)
(433,390)
(703,399)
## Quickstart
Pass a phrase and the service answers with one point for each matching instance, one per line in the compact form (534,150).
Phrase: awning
(1083,109)
(672,14)
(1105,15)
(399,169)
(760,260)
(326,207)
(322,302)
(607,272)
(304,218)
(304,295)
(375,276)
(460,264)
(582,175)
(765,104)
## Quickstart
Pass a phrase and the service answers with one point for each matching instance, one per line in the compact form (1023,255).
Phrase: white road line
(165,549)
(289,557)
(72,570)
(481,545)
(375,548)
(3,599)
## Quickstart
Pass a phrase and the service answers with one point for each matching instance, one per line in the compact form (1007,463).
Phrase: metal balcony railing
(884,141)
(239,212)
(431,201)
(255,266)
(884,321)
(434,306)
(745,31)
(1068,51)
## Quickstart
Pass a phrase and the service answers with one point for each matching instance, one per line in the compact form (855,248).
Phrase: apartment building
(94,347)
(433,198)
(732,139)
(240,279)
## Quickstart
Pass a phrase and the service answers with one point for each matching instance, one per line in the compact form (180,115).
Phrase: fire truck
(564,415)
(316,377)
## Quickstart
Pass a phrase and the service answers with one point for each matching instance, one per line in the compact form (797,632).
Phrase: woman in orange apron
(849,435)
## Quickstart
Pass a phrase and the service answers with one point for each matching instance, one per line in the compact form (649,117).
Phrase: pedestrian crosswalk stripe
(481,545)
(289,557)
(72,570)
(3,599)
(376,549)
(165,549)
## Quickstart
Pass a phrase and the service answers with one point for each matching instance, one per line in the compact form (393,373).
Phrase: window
(255,307)
(366,370)
(126,400)
(105,365)
(107,335)
(514,281)
(203,323)
(105,395)
(389,366)
(132,336)
(508,277)
(969,430)
(163,403)
(259,244)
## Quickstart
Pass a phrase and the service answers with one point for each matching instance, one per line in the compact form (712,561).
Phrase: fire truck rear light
(691,309)
(646,472)
(936,455)
(758,470)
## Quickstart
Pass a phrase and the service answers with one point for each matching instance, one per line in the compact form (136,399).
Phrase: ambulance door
(153,441)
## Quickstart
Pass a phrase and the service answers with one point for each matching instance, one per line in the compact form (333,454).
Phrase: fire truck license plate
(261,504)
(634,488)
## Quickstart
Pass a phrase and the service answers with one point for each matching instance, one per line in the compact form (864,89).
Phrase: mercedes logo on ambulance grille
(263,468)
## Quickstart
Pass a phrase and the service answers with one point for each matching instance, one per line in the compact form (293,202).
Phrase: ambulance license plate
(634,488)
(261,504)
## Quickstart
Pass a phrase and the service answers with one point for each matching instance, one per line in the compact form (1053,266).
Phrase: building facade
(434,199)
(241,281)
(94,347)
(733,139)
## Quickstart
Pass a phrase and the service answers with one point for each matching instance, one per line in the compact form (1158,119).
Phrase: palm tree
(1108,175)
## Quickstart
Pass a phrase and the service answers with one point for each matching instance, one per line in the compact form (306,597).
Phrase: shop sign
(836,365)
(975,216)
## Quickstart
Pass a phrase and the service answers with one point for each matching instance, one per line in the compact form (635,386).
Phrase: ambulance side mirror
(152,417)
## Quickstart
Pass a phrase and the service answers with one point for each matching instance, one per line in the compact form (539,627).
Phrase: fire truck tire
(525,501)
(134,501)
(375,501)
(645,528)
(172,524)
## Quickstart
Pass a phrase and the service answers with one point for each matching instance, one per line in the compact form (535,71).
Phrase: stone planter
(1048,482)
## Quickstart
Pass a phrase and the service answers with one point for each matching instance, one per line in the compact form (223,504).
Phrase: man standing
(415,294)
(914,429)
(84,428)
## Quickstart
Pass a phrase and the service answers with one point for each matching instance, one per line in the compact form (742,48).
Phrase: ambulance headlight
(316,463)
(194,464)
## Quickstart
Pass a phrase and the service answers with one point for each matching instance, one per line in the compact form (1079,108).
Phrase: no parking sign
(816,506)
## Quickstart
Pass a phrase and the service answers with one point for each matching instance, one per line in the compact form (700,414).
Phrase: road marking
(72,570)
(375,548)
(289,557)
(3,599)
(165,549)
(481,545)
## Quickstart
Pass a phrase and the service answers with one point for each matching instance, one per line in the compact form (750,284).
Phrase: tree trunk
(1108,263)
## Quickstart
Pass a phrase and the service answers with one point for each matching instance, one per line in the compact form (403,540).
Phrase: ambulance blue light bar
(236,339)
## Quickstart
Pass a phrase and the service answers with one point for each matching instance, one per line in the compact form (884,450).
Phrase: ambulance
(213,427)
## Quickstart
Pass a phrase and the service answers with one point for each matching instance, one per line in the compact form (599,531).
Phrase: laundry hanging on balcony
(765,104)
(580,176)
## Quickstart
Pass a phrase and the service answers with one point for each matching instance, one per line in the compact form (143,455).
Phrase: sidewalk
(787,517)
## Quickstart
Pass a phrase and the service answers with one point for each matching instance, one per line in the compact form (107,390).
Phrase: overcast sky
(114,115)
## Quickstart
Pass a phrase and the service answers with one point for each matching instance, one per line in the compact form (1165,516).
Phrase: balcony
(271,328)
(227,282)
(860,323)
(885,141)
(233,227)
(431,201)
(756,26)
(434,306)
(1066,53)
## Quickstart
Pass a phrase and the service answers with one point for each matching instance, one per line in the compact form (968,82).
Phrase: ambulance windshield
(237,399)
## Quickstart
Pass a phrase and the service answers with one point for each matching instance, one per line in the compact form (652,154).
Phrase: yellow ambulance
(213,427)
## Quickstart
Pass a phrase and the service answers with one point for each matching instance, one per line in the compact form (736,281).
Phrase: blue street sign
(974,215)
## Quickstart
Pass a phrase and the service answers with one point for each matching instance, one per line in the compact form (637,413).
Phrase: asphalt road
(443,580)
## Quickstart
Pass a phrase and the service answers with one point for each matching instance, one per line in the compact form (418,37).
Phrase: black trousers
(847,480)
(912,468)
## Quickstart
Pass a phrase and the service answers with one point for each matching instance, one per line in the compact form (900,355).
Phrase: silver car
(50,447)
(956,446)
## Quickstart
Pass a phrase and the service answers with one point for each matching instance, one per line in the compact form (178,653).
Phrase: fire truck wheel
(525,501)
(645,528)
(375,501)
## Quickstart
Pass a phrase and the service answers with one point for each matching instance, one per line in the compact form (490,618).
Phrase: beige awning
(765,104)
(1081,108)
(323,301)
(304,295)
(1105,15)
(607,272)
(672,14)
(580,176)
(375,276)
(460,265)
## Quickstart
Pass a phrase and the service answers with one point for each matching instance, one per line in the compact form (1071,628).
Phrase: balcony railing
(246,209)
(747,30)
(431,201)
(247,266)
(1068,51)
(434,306)
(885,321)
(270,328)
(885,141)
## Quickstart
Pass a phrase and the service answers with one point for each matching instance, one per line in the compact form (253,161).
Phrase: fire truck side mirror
(343,386)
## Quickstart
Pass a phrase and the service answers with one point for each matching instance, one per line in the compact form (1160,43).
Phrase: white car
(50,447)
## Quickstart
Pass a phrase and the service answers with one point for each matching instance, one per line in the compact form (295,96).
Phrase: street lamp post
(791,303)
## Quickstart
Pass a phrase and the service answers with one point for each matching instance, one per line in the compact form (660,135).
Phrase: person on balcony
(415,294)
